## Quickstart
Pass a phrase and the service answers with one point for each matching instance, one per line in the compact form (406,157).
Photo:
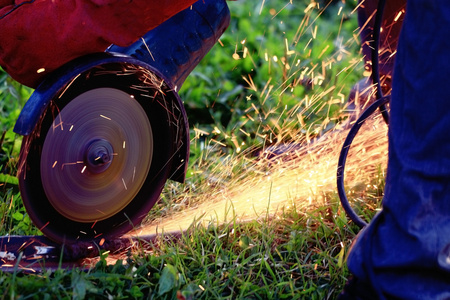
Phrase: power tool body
(104,133)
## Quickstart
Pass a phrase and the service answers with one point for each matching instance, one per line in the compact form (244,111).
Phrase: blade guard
(171,51)
(61,80)
(176,46)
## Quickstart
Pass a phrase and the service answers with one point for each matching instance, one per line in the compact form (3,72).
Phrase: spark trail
(298,178)
(304,175)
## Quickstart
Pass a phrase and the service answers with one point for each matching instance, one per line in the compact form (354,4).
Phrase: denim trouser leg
(404,251)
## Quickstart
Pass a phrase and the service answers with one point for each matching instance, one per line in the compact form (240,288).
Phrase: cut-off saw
(104,133)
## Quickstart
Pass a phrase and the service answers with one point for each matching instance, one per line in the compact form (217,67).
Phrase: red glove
(38,36)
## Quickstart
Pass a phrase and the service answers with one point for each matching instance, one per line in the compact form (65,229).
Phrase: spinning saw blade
(97,160)
(104,132)
(97,155)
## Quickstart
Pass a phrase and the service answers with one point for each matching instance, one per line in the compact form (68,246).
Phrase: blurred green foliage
(12,98)
(253,87)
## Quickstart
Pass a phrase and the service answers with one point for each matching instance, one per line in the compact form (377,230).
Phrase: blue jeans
(404,253)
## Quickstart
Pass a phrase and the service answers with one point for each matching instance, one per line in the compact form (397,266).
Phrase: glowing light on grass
(303,176)
(300,178)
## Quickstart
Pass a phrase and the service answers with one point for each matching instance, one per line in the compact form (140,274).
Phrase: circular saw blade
(97,160)
(96,155)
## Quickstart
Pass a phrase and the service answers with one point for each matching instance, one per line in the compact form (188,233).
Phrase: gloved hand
(38,36)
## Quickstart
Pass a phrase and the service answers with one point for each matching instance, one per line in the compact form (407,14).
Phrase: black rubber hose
(343,157)
(379,103)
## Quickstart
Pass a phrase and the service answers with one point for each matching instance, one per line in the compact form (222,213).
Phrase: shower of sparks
(303,175)
(299,178)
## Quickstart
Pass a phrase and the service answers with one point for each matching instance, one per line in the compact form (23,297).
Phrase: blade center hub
(98,155)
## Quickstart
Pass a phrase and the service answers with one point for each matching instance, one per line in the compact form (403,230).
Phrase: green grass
(294,68)
(299,256)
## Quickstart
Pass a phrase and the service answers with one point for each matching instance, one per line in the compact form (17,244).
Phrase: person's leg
(362,93)
(404,252)
(393,15)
